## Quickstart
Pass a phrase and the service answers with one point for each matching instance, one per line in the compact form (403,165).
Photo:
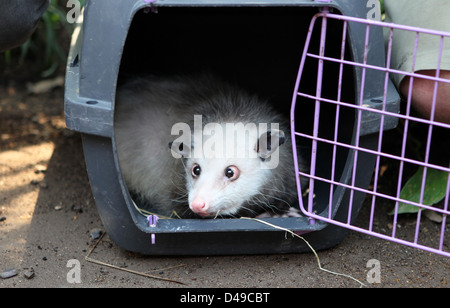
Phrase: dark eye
(232,173)
(196,170)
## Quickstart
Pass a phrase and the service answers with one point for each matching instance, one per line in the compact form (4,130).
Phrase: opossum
(202,147)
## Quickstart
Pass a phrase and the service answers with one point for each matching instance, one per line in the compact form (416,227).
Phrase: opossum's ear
(268,142)
(179,149)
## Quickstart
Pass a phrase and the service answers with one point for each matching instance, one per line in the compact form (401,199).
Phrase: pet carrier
(260,45)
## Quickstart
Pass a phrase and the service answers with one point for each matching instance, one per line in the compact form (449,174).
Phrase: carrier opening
(258,48)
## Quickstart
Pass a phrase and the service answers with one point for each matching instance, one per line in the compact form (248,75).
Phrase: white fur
(223,196)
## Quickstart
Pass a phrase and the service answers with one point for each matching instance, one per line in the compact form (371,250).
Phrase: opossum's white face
(220,184)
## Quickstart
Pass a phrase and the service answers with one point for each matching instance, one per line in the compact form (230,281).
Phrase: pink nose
(199,206)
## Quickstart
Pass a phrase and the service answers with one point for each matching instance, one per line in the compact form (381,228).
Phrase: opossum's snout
(199,206)
(202,208)
(204,199)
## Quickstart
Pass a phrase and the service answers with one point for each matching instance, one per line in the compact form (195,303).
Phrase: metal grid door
(406,165)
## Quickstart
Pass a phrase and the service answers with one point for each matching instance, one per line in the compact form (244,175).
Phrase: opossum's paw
(292,212)
(265,215)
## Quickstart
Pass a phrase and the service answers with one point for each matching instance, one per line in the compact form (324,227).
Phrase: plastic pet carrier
(339,102)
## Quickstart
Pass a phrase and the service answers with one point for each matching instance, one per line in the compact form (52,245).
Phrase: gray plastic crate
(257,43)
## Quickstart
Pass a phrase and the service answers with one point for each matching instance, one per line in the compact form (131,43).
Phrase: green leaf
(435,188)
(8,57)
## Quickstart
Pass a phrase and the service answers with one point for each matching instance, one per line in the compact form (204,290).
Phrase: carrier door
(401,177)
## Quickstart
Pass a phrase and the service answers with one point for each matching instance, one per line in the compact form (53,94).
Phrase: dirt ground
(47,213)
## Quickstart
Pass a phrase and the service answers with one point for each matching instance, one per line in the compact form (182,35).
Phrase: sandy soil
(49,212)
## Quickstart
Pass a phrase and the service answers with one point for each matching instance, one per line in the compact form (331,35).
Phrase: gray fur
(146,110)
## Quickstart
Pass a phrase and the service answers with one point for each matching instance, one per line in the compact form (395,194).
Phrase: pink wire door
(405,165)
